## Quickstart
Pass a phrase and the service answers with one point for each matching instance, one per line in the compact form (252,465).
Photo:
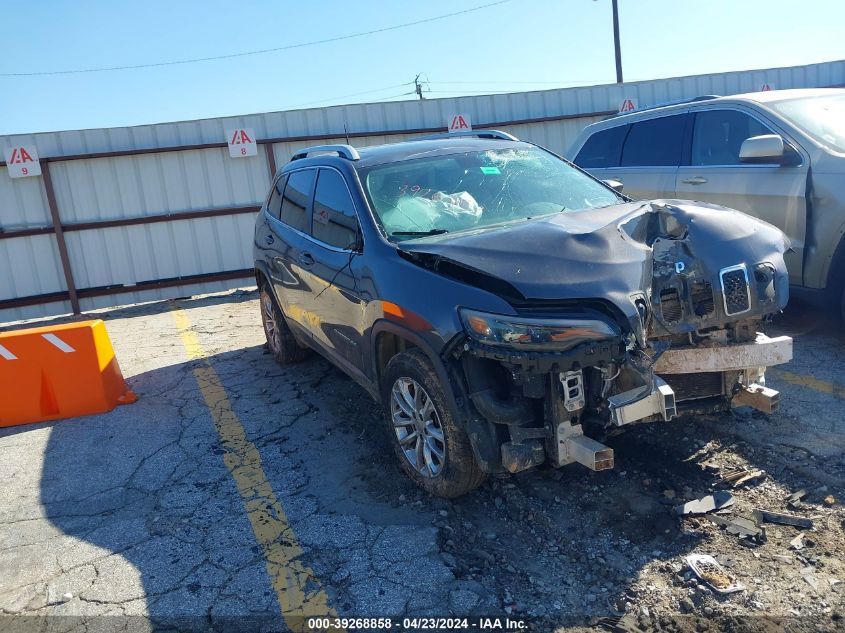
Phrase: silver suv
(777,155)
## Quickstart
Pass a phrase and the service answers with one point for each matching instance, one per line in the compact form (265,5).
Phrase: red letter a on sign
(25,157)
(244,137)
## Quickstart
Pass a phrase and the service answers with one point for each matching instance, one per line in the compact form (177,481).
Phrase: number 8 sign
(22,161)
(241,143)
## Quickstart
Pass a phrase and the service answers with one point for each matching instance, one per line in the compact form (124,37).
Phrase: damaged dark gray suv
(506,308)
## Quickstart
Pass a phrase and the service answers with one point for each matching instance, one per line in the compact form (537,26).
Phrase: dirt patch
(551,543)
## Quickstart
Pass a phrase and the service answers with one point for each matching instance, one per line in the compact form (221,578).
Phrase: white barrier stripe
(55,340)
(7,354)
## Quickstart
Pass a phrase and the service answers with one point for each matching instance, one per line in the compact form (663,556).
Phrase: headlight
(533,334)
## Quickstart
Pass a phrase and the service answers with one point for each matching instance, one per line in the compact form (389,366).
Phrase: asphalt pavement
(236,491)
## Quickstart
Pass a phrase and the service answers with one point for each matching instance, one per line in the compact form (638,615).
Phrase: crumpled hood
(614,252)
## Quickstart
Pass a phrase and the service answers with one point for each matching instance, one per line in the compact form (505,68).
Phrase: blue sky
(504,48)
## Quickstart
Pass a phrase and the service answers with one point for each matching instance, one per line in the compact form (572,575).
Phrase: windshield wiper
(430,232)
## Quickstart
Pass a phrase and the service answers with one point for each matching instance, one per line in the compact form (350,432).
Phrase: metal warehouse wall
(161,211)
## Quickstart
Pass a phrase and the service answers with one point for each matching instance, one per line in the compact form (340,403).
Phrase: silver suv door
(770,192)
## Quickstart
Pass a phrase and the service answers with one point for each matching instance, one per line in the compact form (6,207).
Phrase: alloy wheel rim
(417,427)
(269,322)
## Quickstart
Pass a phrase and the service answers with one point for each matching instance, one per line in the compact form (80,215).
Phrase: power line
(403,94)
(258,52)
(470,92)
(510,83)
(357,94)
(378,99)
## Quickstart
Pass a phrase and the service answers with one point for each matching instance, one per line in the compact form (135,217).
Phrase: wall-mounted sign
(767,87)
(241,143)
(459,122)
(627,105)
(22,161)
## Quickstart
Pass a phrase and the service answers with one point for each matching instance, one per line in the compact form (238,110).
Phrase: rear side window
(718,135)
(295,199)
(274,205)
(335,222)
(655,143)
(602,149)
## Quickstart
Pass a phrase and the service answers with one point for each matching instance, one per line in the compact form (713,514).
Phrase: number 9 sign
(22,161)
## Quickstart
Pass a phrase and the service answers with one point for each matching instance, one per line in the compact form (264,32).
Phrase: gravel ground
(134,513)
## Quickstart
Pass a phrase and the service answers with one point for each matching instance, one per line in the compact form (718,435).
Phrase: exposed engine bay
(619,319)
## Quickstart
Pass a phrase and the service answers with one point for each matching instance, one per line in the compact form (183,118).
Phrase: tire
(280,340)
(441,463)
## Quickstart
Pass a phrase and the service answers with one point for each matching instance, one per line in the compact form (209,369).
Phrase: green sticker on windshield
(490,171)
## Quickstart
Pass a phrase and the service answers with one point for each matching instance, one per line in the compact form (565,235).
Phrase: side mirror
(614,184)
(768,148)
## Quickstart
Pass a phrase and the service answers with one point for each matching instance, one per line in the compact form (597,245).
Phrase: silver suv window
(718,134)
(655,142)
(823,118)
(603,149)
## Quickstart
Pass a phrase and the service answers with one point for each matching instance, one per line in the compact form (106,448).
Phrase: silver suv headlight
(533,334)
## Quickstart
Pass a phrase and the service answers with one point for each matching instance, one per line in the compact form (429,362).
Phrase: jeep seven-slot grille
(735,289)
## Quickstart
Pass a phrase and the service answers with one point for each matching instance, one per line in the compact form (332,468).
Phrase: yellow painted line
(295,584)
(803,380)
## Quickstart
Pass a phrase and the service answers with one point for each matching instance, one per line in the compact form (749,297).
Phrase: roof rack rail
(346,151)
(670,103)
(498,134)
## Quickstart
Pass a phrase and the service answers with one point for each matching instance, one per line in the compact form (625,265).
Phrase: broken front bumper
(751,359)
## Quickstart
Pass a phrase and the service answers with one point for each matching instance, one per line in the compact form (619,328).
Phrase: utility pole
(616,42)
(418,85)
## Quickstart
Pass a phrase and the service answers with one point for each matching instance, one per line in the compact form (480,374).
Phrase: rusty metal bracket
(758,397)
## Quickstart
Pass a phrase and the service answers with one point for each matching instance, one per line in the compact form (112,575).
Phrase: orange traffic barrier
(55,372)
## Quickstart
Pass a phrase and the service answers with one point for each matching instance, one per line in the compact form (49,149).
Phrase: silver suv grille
(735,289)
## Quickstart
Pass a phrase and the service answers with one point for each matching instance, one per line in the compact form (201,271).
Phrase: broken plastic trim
(512,410)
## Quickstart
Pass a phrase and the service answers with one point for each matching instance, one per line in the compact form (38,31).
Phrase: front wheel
(433,451)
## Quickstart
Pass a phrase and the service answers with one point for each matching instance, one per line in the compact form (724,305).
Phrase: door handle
(695,180)
(306,260)
(269,239)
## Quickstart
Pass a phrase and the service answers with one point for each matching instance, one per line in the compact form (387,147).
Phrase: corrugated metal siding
(122,187)
(23,203)
(129,255)
(130,186)
(30,266)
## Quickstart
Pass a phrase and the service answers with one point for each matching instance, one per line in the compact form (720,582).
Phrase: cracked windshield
(457,192)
